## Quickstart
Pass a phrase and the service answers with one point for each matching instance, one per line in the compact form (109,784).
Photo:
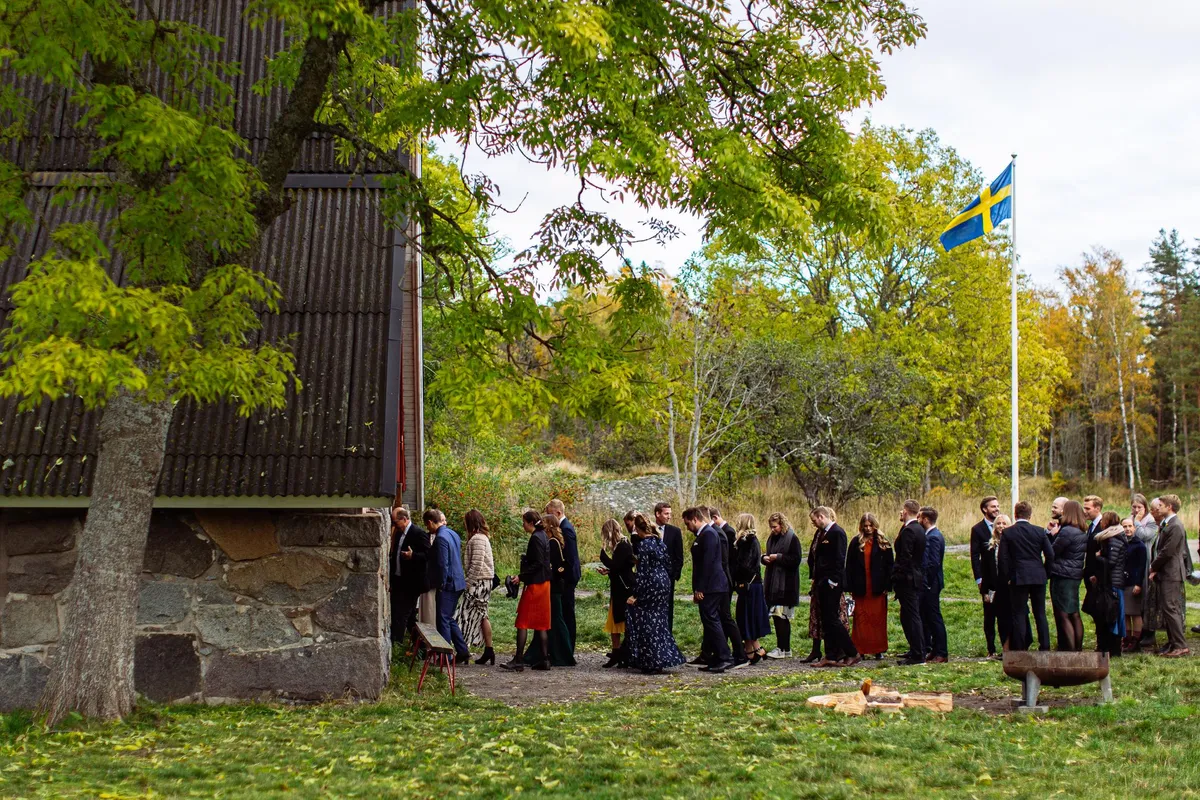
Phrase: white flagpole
(1013,334)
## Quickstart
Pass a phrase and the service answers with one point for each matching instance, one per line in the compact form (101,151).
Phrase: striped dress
(479,568)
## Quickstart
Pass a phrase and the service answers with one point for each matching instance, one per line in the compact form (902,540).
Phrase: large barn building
(265,572)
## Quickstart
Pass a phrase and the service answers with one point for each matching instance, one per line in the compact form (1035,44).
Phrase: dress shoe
(938,660)
(826,662)
(513,666)
(815,655)
(657,671)
(910,662)
(851,661)
(698,660)
(462,659)
(745,662)
(1180,653)
(717,669)
(542,666)
(1195,629)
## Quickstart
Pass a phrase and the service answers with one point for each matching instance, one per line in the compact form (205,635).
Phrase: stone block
(166,667)
(174,548)
(22,681)
(287,579)
(319,672)
(358,559)
(354,607)
(29,619)
(213,593)
(44,535)
(303,625)
(244,627)
(162,602)
(331,530)
(242,535)
(46,573)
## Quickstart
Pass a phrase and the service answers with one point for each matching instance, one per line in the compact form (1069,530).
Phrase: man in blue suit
(447,577)
(931,599)
(574,569)
(710,587)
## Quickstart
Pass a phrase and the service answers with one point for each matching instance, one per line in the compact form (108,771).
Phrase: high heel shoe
(488,657)
(614,660)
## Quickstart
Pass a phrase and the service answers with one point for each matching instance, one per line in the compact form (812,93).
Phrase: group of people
(1133,571)
(435,580)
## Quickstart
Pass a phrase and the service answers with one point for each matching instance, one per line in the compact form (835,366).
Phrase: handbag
(495,581)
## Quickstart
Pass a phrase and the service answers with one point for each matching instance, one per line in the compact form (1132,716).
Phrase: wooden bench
(437,651)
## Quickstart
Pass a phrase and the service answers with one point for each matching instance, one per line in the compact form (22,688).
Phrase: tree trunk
(671,446)
(1174,431)
(92,671)
(1137,457)
(1121,398)
(1050,454)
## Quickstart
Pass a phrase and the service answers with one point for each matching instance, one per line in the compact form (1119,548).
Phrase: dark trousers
(730,629)
(714,632)
(404,612)
(932,624)
(1032,598)
(838,644)
(989,626)
(568,611)
(447,625)
(909,597)
(1106,641)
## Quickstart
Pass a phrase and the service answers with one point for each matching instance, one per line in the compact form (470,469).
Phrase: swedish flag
(993,206)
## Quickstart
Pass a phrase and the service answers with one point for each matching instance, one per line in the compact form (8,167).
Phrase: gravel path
(589,681)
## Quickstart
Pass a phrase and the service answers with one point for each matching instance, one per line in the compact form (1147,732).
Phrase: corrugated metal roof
(334,259)
(329,438)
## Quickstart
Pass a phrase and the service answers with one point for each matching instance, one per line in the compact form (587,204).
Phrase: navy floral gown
(652,647)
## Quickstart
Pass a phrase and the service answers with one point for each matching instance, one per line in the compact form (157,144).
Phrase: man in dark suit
(574,569)
(1025,553)
(728,624)
(672,538)
(827,568)
(981,537)
(723,528)
(908,578)
(406,574)
(1168,570)
(935,580)
(447,576)
(710,588)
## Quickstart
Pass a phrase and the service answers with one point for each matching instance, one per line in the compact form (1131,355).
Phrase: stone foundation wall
(234,604)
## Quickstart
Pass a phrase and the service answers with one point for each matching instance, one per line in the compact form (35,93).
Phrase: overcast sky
(1100,99)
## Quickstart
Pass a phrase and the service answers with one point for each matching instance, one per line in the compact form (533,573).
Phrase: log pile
(877,698)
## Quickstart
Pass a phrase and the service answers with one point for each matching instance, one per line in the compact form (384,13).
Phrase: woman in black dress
(619,568)
(752,618)
(649,642)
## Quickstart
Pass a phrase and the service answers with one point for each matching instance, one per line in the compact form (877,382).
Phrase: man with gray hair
(1168,570)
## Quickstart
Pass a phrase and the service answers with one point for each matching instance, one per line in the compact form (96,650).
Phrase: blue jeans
(447,625)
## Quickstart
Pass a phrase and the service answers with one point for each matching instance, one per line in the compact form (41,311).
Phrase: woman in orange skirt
(869,579)
(533,610)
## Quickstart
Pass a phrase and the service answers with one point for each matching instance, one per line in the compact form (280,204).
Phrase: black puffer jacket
(1112,555)
(1070,547)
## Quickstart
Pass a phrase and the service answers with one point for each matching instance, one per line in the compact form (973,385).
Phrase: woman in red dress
(533,610)
(869,579)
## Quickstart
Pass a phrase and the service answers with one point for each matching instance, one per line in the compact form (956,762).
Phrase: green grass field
(751,737)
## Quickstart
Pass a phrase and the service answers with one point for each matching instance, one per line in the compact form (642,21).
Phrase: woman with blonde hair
(561,649)
(869,560)
(995,587)
(745,564)
(481,570)
(781,581)
(649,644)
(619,569)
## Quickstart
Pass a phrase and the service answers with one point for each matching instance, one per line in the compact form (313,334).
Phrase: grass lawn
(747,737)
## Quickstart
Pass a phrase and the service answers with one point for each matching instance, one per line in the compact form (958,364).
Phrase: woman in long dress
(480,570)
(562,651)
(650,644)
(619,568)
(752,618)
(869,579)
